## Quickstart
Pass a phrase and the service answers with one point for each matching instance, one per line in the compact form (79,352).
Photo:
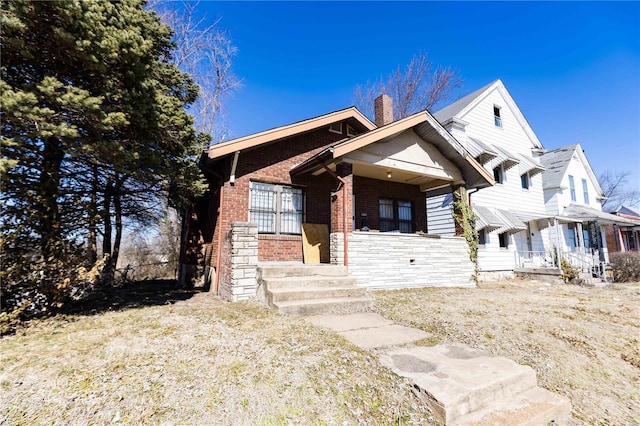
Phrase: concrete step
(456,380)
(300,270)
(324,306)
(306,292)
(534,407)
(314,281)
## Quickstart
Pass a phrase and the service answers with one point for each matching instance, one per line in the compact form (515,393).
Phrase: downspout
(232,178)
(343,185)
(470,193)
(219,241)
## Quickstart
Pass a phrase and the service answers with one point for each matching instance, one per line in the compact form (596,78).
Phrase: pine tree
(93,121)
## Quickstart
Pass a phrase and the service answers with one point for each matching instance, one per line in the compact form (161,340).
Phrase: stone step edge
(536,406)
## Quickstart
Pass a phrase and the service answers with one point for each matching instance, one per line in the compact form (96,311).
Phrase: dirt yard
(158,356)
(583,342)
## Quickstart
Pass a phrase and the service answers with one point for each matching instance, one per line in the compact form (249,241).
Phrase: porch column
(342,209)
(580,237)
(342,206)
(459,193)
(620,240)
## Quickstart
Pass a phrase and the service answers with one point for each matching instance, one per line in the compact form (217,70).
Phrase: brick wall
(369,191)
(393,261)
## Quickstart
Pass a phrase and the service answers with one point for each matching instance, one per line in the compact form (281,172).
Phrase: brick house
(365,183)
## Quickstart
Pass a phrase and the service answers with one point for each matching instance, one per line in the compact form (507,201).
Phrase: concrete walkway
(461,385)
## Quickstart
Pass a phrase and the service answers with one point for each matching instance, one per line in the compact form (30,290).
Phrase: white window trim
(497,119)
(332,130)
(351,131)
(278,207)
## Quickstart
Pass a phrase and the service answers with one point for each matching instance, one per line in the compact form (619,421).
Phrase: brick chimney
(383,110)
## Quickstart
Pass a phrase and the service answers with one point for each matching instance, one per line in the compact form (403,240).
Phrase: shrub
(626,266)
(569,272)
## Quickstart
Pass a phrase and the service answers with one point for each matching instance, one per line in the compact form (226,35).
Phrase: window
(497,120)
(395,215)
(573,242)
(351,131)
(276,209)
(585,191)
(572,188)
(498,174)
(335,128)
(524,180)
(504,240)
(482,237)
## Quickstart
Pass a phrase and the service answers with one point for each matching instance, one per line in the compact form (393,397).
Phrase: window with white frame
(276,209)
(395,215)
(497,119)
(585,191)
(524,181)
(482,237)
(503,239)
(572,188)
(498,174)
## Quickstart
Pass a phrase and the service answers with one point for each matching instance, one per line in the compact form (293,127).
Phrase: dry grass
(161,360)
(583,342)
(197,361)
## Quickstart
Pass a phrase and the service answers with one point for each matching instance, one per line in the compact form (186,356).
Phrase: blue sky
(572,67)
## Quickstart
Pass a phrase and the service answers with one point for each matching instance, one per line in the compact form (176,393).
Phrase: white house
(512,219)
(573,198)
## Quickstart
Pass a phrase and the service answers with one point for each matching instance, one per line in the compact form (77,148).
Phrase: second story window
(524,180)
(497,119)
(572,188)
(585,191)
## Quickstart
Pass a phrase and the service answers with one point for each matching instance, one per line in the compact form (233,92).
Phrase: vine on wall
(466,220)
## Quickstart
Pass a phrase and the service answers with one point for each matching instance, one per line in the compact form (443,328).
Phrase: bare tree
(205,51)
(419,86)
(617,191)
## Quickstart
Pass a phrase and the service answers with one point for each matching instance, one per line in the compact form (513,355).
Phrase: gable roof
(461,107)
(556,163)
(454,109)
(256,139)
(628,210)
(429,129)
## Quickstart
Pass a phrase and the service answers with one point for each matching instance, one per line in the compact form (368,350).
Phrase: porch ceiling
(399,175)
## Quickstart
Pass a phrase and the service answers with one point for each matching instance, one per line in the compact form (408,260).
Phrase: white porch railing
(534,259)
(586,260)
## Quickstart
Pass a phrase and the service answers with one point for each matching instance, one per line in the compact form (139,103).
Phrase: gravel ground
(156,356)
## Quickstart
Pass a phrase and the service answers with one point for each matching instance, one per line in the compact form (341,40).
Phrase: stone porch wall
(393,261)
(244,261)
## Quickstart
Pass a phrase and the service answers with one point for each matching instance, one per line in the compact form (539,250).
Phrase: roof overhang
(271,135)
(430,131)
(579,213)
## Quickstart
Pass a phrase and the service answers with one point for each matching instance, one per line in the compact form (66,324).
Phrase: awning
(576,212)
(497,220)
(506,158)
(529,165)
(511,222)
(486,219)
(541,220)
(480,150)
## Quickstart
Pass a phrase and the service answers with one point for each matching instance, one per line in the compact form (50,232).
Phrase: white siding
(576,169)
(439,215)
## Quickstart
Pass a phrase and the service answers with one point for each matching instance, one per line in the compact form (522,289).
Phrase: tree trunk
(92,239)
(49,221)
(106,218)
(118,210)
